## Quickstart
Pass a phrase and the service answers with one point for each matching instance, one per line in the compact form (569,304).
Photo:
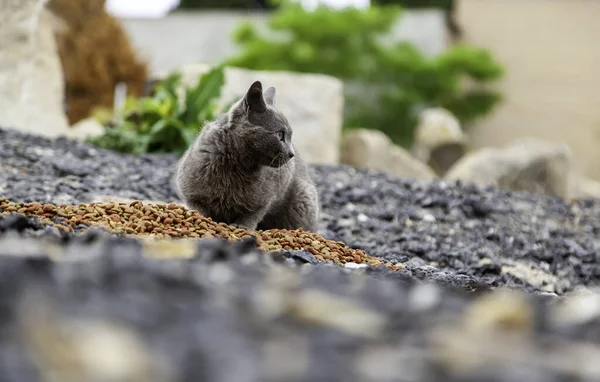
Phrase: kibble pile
(172,221)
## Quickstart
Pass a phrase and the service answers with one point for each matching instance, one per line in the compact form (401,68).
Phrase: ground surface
(229,313)
(87,304)
(460,235)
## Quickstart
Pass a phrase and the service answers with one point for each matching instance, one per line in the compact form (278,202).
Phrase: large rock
(372,149)
(586,188)
(31,77)
(526,165)
(312,103)
(439,139)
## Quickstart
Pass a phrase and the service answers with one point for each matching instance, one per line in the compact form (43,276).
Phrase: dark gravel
(457,234)
(232,314)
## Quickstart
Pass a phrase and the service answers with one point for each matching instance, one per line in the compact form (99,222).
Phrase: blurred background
(437,78)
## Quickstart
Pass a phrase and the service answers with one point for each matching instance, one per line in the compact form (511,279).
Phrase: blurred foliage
(218,4)
(397,79)
(246,4)
(163,122)
(96,54)
(443,4)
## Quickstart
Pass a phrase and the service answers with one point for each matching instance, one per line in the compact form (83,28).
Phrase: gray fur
(240,172)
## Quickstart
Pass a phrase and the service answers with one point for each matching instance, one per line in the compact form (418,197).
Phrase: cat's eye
(281,136)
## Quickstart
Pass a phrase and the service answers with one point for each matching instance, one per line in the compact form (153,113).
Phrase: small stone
(303,256)
(352,265)
(429,218)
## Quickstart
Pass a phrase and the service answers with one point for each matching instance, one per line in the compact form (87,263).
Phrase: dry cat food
(175,221)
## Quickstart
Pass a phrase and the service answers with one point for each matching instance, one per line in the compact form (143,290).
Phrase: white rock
(312,103)
(355,265)
(372,149)
(429,218)
(586,188)
(526,165)
(362,218)
(345,222)
(439,140)
(31,76)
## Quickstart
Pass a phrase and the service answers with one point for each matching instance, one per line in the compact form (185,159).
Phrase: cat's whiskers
(279,172)
(274,159)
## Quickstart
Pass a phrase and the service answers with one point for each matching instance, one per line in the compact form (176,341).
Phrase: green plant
(443,4)
(394,79)
(217,4)
(164,122)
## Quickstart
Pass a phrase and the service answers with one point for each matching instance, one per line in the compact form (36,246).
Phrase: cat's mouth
(279,161)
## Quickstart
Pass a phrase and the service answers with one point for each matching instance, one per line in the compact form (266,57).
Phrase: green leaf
(199,99)
(189,136)
(170,84)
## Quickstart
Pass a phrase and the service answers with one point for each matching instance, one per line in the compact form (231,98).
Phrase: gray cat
(244,170)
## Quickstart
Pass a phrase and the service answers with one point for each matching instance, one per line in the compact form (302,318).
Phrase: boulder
(439,140)
(312,103)
(586,188)
(527,165)
(31,77)
(372,149)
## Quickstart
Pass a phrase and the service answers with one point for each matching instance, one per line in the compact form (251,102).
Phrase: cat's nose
(290,154)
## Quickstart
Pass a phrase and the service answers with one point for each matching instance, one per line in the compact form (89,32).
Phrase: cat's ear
(253,100)
(270,96)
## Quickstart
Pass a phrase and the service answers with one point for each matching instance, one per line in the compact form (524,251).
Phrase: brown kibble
(174,221)
(63,228)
